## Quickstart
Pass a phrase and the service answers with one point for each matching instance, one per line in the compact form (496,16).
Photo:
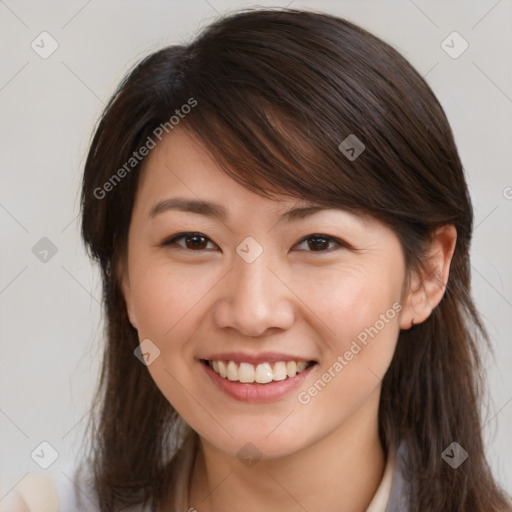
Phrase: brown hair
(277,91)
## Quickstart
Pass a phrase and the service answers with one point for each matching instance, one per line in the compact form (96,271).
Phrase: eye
(193,241)
(320,243)
(198,242)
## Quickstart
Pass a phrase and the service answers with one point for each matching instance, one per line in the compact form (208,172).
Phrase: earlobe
(427,289)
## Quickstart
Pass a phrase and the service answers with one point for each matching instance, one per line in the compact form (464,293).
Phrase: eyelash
(172,241)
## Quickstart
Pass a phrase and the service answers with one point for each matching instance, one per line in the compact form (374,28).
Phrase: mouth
(263,382)
(262,373)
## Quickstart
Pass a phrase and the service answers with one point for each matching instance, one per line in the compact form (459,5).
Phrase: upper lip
(262,357)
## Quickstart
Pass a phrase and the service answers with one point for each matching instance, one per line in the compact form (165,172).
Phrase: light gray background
(50,322)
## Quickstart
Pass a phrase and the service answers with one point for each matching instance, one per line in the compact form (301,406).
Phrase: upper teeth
(261,373)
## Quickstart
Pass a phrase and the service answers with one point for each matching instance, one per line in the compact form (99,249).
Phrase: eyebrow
(215,210)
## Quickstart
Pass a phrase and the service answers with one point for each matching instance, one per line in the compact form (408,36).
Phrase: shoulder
(33,491)
(401,485)
(63,490)
(67,489)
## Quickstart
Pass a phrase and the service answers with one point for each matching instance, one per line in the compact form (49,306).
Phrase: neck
(347,465)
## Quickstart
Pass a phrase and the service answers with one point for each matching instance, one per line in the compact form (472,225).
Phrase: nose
(254,299)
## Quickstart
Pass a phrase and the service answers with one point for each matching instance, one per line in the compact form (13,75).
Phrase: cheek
(363,328)
(353,303)
(359,312)
(164,299)
(167,305)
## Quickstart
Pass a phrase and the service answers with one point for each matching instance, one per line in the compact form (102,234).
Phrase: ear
(127,293)
(427,289)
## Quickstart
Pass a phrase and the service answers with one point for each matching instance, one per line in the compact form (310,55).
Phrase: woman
(283,227)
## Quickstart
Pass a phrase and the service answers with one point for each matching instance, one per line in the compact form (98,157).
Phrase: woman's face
(265,291)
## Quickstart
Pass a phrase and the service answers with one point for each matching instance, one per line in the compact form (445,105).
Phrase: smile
(262,373)
(259,382)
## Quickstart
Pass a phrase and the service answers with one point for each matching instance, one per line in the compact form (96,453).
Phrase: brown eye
(199,242)
(193,241)
(320,243)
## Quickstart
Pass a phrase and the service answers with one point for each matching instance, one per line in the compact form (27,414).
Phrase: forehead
(180,165)
(181,175)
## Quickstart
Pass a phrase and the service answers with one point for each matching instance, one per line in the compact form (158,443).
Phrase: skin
(292,299)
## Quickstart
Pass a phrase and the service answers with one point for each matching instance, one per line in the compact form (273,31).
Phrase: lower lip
(254,392)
